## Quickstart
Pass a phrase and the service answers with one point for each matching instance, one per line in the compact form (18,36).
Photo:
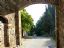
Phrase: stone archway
(56,3)
(58,46)
(11,6)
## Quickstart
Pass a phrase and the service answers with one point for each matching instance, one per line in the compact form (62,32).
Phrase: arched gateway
(10,8)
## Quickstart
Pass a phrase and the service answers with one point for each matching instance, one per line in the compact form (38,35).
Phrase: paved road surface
(39,43)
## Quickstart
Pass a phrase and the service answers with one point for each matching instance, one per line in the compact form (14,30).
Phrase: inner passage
(38,26)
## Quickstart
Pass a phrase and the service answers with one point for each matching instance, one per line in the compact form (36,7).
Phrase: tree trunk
(22,33)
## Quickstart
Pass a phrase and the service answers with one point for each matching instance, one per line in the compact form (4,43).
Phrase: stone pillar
(17,28)
(6,35)
(14,29)
(60,24)
(11,29)
(20,28)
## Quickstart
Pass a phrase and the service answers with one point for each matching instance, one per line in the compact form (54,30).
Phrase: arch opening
(3,20)
(53,14)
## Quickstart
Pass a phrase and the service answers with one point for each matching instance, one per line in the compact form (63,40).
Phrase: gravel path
(39,43)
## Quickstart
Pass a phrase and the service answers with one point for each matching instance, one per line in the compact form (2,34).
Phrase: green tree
(27,21)
(46,24)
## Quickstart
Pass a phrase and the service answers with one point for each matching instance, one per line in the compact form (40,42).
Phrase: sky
(36,11)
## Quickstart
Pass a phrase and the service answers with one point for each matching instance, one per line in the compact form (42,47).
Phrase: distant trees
(46,24)
(27,21)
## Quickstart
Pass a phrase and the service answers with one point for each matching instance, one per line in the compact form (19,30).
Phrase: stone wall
(11,29)
(9,6)
(10,33)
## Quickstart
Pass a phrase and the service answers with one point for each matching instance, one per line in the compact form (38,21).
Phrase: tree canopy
(27,21)
(46,24)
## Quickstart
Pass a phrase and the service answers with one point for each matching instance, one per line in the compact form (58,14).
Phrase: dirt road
(39,43)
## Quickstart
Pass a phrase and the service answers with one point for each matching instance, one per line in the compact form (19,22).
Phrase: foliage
(46,24)
(27,21)
(32,31)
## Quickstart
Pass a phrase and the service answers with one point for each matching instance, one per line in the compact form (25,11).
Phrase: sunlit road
(39,43)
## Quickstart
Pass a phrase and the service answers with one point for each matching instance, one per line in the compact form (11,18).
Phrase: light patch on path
(38,43)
